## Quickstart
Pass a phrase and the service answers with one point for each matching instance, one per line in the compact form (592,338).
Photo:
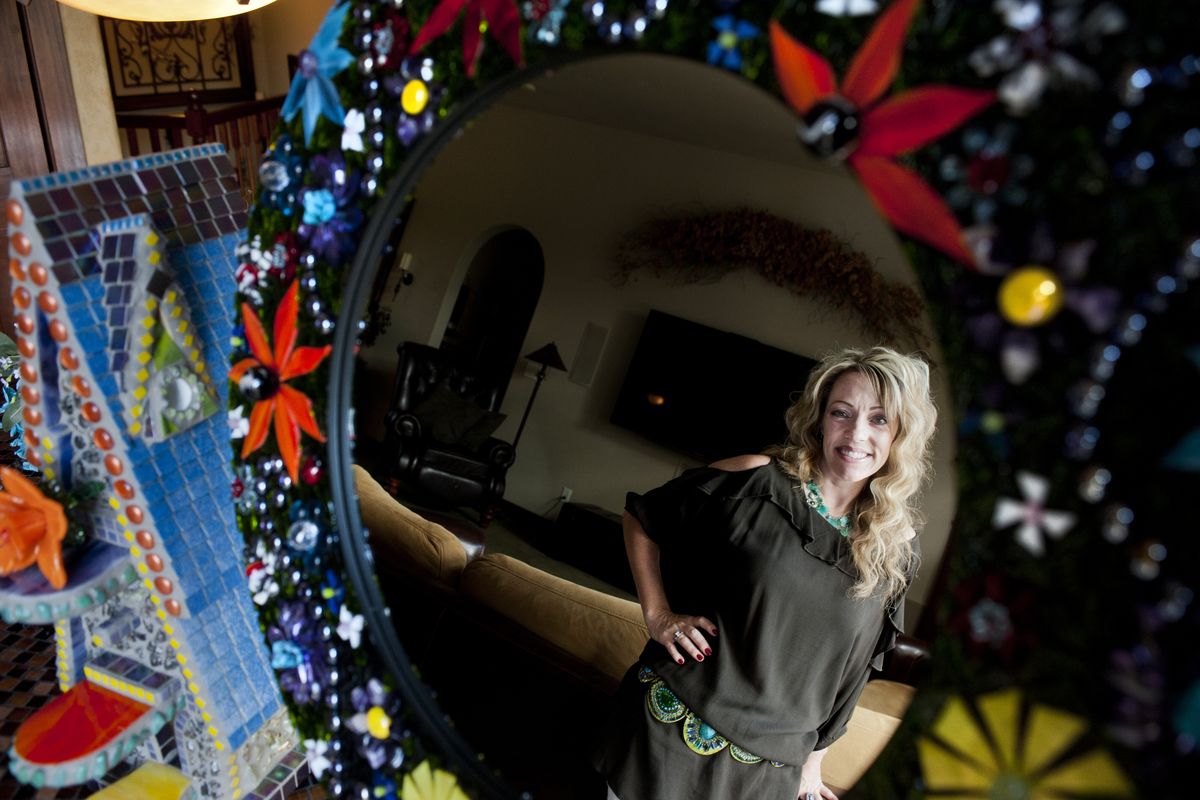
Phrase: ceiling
(671,98)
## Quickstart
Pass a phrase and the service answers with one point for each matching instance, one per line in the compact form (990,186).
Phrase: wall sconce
(166,10)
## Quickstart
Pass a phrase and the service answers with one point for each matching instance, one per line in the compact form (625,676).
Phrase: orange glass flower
(263,378)
(32,527)
(885,128)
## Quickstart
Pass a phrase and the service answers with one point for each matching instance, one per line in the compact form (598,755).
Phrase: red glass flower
(884,129)
(263,378)
(500,18)
(32,527)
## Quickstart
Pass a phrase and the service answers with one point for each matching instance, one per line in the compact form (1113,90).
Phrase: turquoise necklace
(840,524)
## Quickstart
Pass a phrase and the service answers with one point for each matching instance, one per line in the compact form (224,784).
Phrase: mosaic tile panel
(137,261)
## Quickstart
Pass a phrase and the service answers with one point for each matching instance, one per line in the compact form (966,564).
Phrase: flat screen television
(707,393)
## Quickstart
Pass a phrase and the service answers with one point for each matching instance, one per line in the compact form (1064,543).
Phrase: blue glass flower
(280,175)
(319,206)
(312,90)
(298,652)
(724,51)
(545,19)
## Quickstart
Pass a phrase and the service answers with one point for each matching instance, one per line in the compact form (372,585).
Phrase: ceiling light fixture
(166,10)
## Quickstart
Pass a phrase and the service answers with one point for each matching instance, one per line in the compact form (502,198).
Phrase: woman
(770,585)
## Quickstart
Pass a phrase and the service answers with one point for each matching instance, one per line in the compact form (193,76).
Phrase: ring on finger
(678,635)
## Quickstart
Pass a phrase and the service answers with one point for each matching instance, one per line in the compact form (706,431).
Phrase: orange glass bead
(145,539)
(16,213)
(25,324)
(58,330)
(172,607)
(91,412)
(33,458)
(31,437)
(164,584)
(135,514)
(113,465)
(21,298)
(15,269)
(32,416)
(124,488)
(21,243)
(26,347)
(38,273)
(82,387)
(102,438)
(28,372)
(47,302)
(67,359)
(154,561)
(30,395)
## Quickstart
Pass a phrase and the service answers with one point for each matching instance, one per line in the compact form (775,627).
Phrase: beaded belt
(699,736)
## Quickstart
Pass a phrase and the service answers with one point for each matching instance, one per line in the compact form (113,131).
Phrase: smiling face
(857,431)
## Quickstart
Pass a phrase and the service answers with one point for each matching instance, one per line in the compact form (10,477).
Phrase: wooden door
(39,121)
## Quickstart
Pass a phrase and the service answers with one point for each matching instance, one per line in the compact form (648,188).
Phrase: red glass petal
(260,422)
(303,361)
(299,408)
(256,337)
(285,325)
(804,77)
(911,205)
(504,25)
(875,64)
(917,118)
(438,23)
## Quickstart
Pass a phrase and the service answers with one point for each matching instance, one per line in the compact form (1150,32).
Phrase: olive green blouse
(793,651)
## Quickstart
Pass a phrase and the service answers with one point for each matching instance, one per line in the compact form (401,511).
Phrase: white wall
(578,187)
(89,77)
(282,28)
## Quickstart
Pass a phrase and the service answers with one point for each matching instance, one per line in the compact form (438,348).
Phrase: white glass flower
(1036,521)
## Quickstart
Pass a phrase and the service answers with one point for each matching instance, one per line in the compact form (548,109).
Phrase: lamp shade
(166,10)
(548,357)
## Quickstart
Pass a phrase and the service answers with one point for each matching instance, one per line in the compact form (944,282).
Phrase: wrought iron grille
(156,64)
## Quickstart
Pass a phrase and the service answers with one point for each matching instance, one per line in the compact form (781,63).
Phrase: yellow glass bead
(379,724)
(415,97)
(1031,295)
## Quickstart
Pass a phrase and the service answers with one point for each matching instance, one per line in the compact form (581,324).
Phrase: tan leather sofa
(589,634)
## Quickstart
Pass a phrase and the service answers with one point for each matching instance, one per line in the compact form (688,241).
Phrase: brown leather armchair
(440,459)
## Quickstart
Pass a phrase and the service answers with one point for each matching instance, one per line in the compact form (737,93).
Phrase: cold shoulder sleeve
(667,512)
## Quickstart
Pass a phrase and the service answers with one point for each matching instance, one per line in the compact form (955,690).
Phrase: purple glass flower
(419,98)
(375,710)
(298,653)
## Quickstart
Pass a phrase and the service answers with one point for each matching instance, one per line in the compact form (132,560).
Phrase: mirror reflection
(515,383)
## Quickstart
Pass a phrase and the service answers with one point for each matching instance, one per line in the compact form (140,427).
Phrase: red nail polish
(707,651)
(714,631)
(681,662)
(699,658)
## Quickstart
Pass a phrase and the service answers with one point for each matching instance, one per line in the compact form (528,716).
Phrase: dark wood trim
(20,120)
(52,82)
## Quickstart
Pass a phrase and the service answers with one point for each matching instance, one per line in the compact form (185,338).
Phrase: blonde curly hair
(883,514)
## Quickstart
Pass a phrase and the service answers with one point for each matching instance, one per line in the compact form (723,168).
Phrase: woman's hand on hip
(681,635)
(812,787)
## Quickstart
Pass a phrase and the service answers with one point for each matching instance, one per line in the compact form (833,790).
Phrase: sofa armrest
(875,719)
(500,454)
(402,538)
(598,629)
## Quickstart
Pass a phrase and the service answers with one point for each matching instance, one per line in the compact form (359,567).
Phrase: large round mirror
(532,230)
(489,231)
